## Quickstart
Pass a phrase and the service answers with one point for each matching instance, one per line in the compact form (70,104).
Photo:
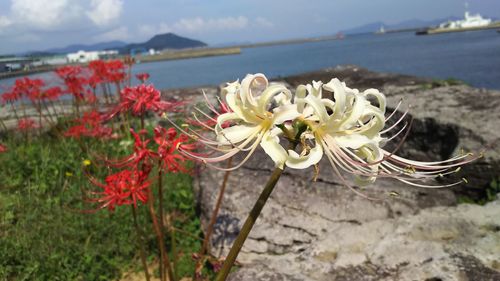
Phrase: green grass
(436,83)
(47,231)
(490,194)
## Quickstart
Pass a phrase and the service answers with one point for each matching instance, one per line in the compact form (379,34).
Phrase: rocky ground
(323,231)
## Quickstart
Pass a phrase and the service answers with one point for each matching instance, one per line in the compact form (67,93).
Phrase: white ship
(469,21)
(381,30)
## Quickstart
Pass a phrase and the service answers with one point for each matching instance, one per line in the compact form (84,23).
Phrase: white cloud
(43,14)
(120,33)
(196,25)
(147,30)
(4,21)
(264,22)
(200,24)
(104,12)
(26,38)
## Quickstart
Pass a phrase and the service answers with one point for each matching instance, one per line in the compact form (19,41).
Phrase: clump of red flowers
(29,88)
(26,124)
(3,148)
(74,79)
(168,142)
(89,125)
(140,99)
(143,77)
(112,71)
(123,188)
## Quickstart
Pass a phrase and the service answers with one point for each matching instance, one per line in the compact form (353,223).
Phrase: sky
(27,25)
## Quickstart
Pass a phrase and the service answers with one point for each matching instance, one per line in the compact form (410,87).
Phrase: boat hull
(448,30)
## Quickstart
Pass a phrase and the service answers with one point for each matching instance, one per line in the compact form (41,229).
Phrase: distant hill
(158,42)
(164,41)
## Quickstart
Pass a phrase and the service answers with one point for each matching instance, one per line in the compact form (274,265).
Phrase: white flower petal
(339,94)
(235,134)
(251,85)
(353,141)
(237,107)
(285,113)
(269,93)
(295,161)
(356,113)
(270,144)
(379,96)
(319,108)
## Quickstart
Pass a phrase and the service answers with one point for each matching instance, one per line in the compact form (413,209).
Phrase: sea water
(473,57)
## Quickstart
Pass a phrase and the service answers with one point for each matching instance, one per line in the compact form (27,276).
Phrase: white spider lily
(349,132)
(257,108)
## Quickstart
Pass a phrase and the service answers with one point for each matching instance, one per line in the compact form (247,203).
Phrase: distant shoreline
(169,55)
(185,54)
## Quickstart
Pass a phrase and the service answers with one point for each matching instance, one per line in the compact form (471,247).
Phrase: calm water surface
(473,57)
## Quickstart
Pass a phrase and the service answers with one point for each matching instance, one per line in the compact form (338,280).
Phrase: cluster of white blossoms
(348,129)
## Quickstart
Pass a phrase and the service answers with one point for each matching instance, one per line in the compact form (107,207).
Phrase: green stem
(247,227)
(160,209)
(140,243)
(173,241)
(159,235)
(171,228)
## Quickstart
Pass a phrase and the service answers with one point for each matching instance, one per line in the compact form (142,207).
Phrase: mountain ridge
(157,42)
(164,41)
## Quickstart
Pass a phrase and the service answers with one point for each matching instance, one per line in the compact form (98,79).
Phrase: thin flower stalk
(159,235)
(140,243)
(247,226)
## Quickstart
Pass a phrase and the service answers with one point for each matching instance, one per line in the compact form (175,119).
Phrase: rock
(323,231)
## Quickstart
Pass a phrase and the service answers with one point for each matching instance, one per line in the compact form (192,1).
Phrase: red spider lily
(3,148)
(26,124)
(167,148)
(115,71)
(90,97)
(141,155)
(90,125)
(74,80)
(10,97)
(140,99)
(123,188)
(143,77)
(99,73)
(141,151)
(106,72)
(30,88)
(52,93)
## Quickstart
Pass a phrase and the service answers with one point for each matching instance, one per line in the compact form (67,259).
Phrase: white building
(84,57)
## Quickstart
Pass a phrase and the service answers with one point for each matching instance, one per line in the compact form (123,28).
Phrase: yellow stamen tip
(465,180)
(86,162)
(68,174)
